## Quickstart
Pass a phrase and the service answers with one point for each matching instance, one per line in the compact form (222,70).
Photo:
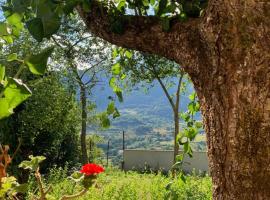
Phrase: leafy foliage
(33,164)
(13,91)
(47,123)
(188,134)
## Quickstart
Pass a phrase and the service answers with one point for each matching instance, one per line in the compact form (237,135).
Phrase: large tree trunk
(237,123)
(226,54)
(84,122)
(234,92)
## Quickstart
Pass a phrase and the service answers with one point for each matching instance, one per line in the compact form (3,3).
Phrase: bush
(47,123)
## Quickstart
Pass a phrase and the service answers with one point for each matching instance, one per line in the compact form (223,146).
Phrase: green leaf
(15,21)
(8,39)
(192,96)
(22,188)
(37,63)
(2,73)
(112,82)
(4,111)
(16,92)
(12,57)
(123,76)
(187,149)
(35,28)
(33,164)
(198,124)
(116,113)
(180,158)
(50,20)
(152,2)
(51,25)
(183,177)
(3,29)
(185,116)
(191,132)
(110,108)
(116,69)
(128,54)
(105,121)
(121,5)
(119,94)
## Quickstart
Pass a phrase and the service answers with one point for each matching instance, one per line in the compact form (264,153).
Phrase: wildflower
(91,169)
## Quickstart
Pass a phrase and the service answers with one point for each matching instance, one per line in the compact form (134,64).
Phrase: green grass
(118,185)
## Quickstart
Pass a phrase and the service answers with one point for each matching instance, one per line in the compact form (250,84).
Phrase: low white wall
(159,159)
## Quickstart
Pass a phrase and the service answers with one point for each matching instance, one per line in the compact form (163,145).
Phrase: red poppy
(91,169)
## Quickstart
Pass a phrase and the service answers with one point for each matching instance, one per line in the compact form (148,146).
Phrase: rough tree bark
(226,54)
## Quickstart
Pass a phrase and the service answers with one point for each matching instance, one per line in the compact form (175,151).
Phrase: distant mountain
(146,118)
(139,108)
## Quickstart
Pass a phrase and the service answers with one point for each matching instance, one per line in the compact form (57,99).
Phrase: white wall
(159,159)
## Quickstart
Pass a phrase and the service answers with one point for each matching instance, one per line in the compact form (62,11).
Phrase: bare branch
(93,66)
(155,73)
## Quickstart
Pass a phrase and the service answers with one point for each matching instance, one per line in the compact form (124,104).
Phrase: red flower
(91,169)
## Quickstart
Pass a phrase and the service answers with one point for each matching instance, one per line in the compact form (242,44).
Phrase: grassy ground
(117,185)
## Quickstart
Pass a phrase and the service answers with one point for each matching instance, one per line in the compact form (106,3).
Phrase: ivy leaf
(37,63)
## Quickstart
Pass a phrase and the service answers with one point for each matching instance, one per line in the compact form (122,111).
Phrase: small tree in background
(85,59)
(145,69)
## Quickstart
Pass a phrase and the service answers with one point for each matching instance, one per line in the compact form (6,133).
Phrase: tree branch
(177,101)
(155,73)
(144,33)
